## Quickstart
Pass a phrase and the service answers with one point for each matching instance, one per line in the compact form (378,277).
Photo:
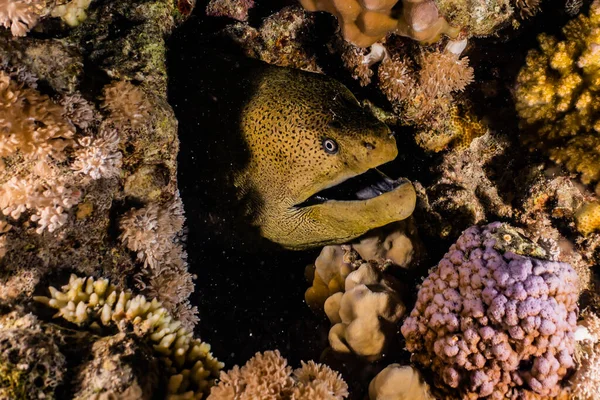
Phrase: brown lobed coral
(365,22)
(267,376)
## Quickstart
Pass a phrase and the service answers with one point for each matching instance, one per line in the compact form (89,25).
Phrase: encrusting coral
(399,382)
(493,320)
(557,96)
(267,376)
(236,9)
(91,302)
(31,364)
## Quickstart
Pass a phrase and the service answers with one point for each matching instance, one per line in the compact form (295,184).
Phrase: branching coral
(20,15)
(87,301)
(267,376)
(491,320)
(557,96)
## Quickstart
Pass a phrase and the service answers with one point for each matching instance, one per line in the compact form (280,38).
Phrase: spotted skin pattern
(284,125)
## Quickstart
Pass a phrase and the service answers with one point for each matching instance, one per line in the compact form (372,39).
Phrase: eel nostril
(369,146)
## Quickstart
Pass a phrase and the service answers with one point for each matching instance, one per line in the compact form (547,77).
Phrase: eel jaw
(368,185)
(321,221)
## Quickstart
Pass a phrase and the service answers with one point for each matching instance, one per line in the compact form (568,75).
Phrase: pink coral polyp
(495,324)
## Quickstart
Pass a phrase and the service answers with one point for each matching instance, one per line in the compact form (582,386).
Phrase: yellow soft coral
(588,218)
(557,96)
(191,366)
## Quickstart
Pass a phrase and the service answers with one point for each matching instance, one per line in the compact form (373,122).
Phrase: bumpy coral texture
(267,376)
(495,324)
(557,96)
(31,364)
(191,367)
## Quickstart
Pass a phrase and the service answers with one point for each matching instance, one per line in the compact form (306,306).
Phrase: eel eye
(330,146)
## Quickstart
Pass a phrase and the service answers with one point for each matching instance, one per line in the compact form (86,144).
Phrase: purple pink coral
(493,323)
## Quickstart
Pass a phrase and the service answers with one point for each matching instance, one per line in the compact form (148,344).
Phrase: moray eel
(312,154)
(294,151)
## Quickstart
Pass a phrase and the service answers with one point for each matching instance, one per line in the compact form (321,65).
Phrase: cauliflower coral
(493,322)
(557,96)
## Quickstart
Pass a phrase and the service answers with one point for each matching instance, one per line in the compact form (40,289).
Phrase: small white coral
(98,157)
(49,199)
(73,13)
(151,232)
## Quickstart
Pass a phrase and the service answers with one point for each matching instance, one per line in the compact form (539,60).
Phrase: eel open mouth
(365,186)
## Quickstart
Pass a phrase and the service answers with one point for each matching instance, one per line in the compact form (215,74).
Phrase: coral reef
(192,368)
(421,86)
(556,96)
(267,376)
(399,382)
(492,319)
(75,155)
